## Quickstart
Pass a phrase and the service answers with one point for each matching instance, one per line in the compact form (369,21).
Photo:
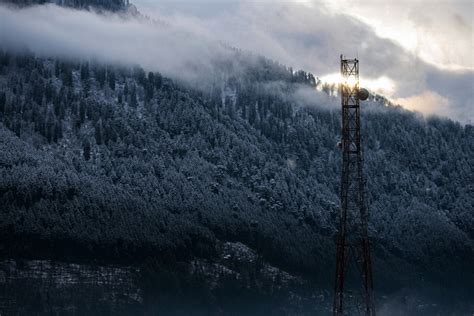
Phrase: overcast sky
(419,53)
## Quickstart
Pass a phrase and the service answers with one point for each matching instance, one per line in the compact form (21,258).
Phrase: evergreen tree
(111,77)
(98,132)
(133,97)
(3,101)
(85,72)
(86,146)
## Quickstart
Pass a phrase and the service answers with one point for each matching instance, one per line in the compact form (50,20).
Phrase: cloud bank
(50,30)
(305,34)
(311,35)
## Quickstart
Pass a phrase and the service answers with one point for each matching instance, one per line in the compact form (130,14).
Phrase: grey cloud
(305,96)
(52,30)
(310,38)
(457,88)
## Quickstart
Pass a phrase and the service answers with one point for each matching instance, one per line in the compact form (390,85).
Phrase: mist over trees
(101,161)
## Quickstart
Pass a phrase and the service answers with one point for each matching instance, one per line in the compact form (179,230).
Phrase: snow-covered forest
(120,165)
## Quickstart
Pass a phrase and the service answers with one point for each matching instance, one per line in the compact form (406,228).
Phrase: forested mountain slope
(99,161)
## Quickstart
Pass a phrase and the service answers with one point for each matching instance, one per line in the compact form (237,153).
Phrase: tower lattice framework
(353,292)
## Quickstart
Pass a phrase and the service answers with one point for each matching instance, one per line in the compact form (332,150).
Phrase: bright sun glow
(382,85)
(338,79)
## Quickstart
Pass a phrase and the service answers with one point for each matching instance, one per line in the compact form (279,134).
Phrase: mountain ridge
(101,161)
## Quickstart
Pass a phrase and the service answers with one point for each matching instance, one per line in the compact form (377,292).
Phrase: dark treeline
(118,164)
(111,5)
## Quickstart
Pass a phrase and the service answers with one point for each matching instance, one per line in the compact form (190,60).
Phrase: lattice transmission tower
(353,291)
